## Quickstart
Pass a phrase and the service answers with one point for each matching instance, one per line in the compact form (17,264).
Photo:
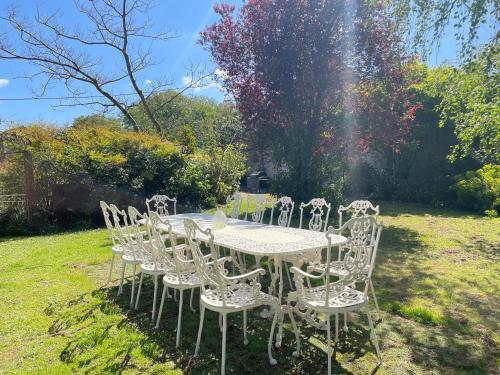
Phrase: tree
(71,55)
(469,100)
(425,21)
(292,66)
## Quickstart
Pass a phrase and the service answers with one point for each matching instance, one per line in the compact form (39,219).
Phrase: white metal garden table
(262,240)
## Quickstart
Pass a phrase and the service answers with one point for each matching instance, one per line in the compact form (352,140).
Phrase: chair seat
(239,297)
(117,249)
(346,300)
(188,279)
(151,269)
(337,268)
(129,258)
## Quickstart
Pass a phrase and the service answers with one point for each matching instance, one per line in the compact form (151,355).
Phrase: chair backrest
(358,208)
(259,201)
(285,206)
(139,238)
(123,230)
(360,256)
(160,203)
(212,275)
(167,258)
(108,217)
(237,200)
(320,213)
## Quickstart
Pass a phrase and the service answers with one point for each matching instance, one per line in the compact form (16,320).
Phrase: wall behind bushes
(76,167)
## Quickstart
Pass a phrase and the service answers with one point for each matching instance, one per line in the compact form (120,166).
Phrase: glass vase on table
(219,220)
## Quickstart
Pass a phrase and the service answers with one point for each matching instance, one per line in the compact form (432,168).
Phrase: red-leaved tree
(307,77)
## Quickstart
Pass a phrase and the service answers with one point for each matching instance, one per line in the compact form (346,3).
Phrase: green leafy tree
(470,100)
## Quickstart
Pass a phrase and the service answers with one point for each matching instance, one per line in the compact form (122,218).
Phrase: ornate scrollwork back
(159,204)
(237,200)
(123,230)
(107,214)
(359,258)
(209,272)
(285,206)
(358,208)
(260,208)
(319,207)
(140,239)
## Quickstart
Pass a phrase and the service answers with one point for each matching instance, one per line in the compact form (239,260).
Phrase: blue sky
(185,17)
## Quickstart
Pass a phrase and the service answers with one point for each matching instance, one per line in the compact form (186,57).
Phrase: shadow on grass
(448,340)
(104,335)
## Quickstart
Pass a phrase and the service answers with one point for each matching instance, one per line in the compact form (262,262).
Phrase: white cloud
(3,82)
(199,86)
(148,82)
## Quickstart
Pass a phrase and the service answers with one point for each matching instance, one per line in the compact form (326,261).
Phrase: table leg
(279,272)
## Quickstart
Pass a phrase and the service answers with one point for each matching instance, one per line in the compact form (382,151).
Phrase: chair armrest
(249,275)
(304,273)
(220,260)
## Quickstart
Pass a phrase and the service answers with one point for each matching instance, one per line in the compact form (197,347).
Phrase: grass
(437,279)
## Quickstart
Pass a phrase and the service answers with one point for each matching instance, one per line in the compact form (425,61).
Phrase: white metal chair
(319,219)
(131,251)
(334,298)
(259,201)
(237,201)
(285,205)
(160,203)
(358,208)
(116,247)
(225,294)
(155,254)
(180,271)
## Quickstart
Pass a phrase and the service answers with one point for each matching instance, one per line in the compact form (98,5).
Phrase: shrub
(76,167)
(479,190)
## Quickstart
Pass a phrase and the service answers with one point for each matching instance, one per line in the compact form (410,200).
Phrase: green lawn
(437,278)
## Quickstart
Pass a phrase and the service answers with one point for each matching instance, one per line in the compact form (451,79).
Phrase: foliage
(289,65)
(425,21)
(470,99)
(479,190)
(203,116)
(76,167)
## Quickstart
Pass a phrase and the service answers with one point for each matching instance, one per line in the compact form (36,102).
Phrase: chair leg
(191,301)
(139,291)
(272,361)
(224,332)
(329,342)
(345,322)
(111,267)
(161,306)
(308,282)
(296,353)
(245,340)
(120,289)
(179,320)
(374,336)
(220,322)
(375,301)
(133,287)
(154,299)
(175,295)
(200,330)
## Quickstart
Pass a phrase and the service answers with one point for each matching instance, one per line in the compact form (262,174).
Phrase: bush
(479,190)
(76,167)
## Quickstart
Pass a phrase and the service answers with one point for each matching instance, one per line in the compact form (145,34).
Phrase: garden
(337,110)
